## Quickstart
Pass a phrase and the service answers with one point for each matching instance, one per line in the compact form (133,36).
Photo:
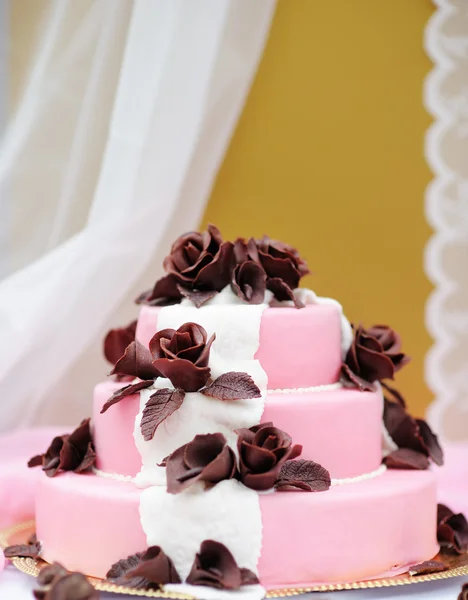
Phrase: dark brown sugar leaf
(23,550)
(127,390)
(232,386)
(305,475)
(161,405)
(427,567)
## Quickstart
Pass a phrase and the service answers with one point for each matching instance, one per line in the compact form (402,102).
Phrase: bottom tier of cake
(351,532)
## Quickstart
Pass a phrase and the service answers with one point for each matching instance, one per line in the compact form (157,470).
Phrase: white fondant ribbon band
(229,512)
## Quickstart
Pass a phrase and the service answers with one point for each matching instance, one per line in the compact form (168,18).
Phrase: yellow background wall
(328,155)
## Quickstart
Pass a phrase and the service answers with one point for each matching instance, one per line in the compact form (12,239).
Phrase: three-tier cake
(243,440)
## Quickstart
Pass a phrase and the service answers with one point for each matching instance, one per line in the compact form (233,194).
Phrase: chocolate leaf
(430,442)
(350,379)
(198,297)
(23,550)
(160,405)
(125,391)
(427,567)
(232,386)
(303,474)
(404,458)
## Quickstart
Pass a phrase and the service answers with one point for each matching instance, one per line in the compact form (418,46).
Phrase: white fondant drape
(126,115)
(446,259)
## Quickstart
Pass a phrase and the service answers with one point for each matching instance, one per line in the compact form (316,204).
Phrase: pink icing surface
(113,431)
(348,533)
(352,532)
(298,347)
(87,522)
(340,429)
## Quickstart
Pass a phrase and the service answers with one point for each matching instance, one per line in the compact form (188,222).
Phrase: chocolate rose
(201,261)
(249,282)
(206,458)
(182,356)
(144,570)
(117,340)
(374,355)
(74,452)
(215,566)
(279,260)
(263,449)
(463,595)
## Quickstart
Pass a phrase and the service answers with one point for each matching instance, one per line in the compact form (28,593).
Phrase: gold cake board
(19,534)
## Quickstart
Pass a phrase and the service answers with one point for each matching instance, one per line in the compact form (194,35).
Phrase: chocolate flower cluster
(266,456)
(375,354)
(144,571)
(182,357)
(200,265)
(58,584)
(213,566)
(417,444)
(69,452)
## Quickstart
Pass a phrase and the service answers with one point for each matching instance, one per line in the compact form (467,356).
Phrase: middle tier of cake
(339,428)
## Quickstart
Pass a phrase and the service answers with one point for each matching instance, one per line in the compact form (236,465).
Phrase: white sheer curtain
(446,261)
(125,119)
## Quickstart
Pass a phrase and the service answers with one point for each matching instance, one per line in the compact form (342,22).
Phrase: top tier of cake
(297,348)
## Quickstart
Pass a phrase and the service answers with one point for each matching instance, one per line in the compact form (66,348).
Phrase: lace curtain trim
(446,264)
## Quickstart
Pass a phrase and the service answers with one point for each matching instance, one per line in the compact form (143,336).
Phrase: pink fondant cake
(244,441)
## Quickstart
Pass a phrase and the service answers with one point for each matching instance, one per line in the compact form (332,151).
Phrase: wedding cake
(247,439)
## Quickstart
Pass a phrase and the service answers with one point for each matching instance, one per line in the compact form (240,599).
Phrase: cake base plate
(20,533)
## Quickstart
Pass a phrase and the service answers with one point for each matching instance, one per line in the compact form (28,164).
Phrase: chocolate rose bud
(374,355)
(263,449)
(182,356)
(117,340)
(206,458)
(201,261)
(215,566)
(249,282)
(279,260)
